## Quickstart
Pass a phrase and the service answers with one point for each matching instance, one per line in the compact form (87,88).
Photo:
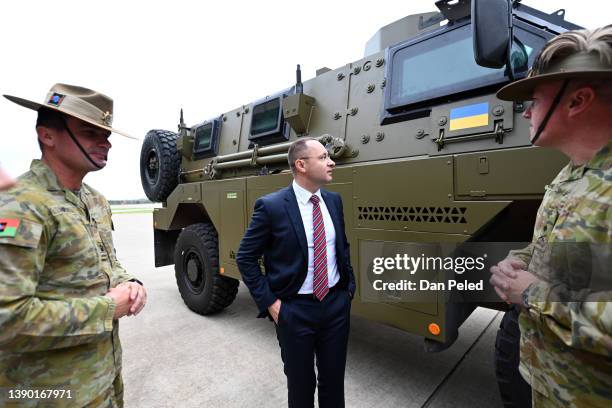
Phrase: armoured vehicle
(424,150)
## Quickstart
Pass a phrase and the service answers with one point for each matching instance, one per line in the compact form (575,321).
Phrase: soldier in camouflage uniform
(566,325)
(62,289)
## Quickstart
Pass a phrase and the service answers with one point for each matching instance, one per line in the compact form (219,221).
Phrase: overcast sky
(208,57)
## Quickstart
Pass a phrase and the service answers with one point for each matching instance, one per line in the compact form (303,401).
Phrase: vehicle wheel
(514,390)
(160,163)
(196,265)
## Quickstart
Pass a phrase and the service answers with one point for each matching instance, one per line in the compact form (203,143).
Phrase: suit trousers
(310,330)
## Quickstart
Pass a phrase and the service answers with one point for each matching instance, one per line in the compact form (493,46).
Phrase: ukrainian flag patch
(469,116)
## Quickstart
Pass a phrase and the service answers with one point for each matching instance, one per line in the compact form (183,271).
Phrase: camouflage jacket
(57,261)
(566,334)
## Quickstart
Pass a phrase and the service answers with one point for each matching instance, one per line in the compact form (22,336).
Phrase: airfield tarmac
(173,357)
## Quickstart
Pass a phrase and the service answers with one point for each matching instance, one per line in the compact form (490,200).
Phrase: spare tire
(160,163)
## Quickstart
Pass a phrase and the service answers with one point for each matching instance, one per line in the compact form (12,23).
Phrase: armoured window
(526,44)
(267,124)
(442,65)
(265,117)
(206,141)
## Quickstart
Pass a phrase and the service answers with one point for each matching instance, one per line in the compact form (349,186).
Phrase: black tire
(514,390)
(160,163)
(196,266)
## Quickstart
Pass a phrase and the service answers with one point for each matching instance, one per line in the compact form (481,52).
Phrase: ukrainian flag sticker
(469,116)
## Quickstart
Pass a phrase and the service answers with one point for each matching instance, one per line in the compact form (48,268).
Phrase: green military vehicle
(425,153)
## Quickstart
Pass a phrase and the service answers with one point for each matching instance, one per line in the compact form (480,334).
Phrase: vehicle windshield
(444,65)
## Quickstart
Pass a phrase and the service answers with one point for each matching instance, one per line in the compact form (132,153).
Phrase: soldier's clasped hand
(121,297)
(510,278)
(138,297)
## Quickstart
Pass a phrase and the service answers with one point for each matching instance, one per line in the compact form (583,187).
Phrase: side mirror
(491,32)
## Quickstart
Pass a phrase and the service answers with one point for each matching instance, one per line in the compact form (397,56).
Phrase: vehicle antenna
(299,88)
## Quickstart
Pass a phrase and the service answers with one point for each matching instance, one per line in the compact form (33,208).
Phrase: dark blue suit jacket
(277,232)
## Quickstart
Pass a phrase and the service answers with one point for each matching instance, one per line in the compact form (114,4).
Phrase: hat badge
(107,118)
(56,99)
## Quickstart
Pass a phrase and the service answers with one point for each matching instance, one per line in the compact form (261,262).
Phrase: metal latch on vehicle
(498,133)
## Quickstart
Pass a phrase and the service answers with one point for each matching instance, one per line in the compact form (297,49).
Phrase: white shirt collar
(303,195)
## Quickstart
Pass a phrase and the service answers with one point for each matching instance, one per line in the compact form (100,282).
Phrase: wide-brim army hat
(82,103)
(580,65)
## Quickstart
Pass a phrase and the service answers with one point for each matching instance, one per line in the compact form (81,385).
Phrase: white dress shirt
(305,205)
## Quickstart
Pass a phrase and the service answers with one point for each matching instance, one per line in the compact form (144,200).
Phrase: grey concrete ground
(176,358)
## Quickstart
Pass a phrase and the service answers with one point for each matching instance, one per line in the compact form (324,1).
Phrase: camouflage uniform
(56,325)
(566,346)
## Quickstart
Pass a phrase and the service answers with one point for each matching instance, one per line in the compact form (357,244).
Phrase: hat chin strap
(76,142)
(552,108)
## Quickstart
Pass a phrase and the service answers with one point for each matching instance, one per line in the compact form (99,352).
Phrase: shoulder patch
(23,233)
(8,227)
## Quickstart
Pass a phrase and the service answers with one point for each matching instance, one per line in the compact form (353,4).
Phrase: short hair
(297,150)
(50,118)
(597,41)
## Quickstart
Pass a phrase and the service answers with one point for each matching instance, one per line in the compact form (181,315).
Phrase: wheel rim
(152,168)
(193,266)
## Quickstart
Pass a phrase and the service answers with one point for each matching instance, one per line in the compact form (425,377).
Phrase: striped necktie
(320,286)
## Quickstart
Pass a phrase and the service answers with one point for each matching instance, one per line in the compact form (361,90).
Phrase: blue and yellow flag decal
(469,116)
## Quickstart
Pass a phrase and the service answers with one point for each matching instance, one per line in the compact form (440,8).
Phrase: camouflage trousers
(540,400)
(112,398)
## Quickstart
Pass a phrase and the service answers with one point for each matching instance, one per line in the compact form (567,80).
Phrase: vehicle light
(434,329)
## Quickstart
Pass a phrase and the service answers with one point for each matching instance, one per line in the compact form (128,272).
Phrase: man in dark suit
(309,282)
